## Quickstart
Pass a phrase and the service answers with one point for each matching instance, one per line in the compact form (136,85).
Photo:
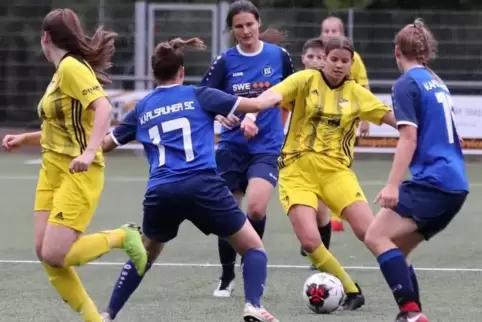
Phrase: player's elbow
(108,144)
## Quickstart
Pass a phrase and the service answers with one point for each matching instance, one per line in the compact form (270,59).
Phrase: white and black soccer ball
(323,293)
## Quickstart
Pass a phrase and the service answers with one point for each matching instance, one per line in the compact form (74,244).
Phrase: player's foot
(106,317)
(313,267)
(337,225)
(302,252)
(134,247)
(225,288)
(354,301)
(411,317)
(257,314)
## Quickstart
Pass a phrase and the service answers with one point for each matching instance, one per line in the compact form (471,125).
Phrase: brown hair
(338,20)
(416,42)
(271,35)
(313,43)
(67,33)
(168,57)
(339,42)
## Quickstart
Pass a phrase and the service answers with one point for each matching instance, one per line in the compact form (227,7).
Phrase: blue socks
(413,278)
(255,272)
(227,255)
(394,268)
(127,283)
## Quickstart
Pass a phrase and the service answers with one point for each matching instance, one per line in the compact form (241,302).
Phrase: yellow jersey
(66,120)
(324,119)
(358,72)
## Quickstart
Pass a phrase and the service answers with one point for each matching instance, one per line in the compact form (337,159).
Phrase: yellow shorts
(71,199)
(314,177)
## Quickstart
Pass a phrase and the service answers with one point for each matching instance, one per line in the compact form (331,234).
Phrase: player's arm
(406,101)
(287,70)
(372,109)
(122,134)
(221,103)
(13,141)
(79,81)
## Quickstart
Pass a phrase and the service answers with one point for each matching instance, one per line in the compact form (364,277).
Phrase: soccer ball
(323,293)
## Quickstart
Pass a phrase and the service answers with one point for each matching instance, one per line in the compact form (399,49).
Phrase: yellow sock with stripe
(90,247)
(67,283)
(324,261)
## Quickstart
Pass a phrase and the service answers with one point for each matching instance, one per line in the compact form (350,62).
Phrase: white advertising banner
(381,139)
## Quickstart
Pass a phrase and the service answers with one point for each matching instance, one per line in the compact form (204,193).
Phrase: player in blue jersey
(419,208)
(175,124)
(248,164)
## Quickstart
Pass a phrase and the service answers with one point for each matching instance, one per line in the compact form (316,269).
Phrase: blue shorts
(430,208)
(203,199)
(237,169)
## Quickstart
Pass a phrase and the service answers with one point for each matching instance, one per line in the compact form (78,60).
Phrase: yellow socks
(90,247)
(324,261)
(68,285)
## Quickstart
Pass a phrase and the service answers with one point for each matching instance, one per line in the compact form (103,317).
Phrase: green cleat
(134,247)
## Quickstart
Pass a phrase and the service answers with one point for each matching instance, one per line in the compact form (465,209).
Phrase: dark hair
(312,43)
(416,42)
(67,33)
(168,57)
(339,42)
(271,35)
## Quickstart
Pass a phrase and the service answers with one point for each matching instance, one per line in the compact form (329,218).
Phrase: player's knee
(256,210)
(310,243)
(52,257)
(373,241)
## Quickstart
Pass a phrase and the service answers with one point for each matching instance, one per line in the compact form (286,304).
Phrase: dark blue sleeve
(216,101)
(125,132)
(215,76)
(406,101)
(288,67)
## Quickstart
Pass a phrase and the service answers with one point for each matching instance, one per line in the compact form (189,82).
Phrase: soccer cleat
(106,317)
(337,225)
(411,317)
(224,289)
(257,314)
(134,247)
(354,301)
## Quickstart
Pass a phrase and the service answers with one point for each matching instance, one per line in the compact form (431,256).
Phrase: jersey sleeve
(289,88)
(288,67)
(371,108)
(126,131)
(358,71)
(405,100)
(215,76)
(216,101)
(78,81)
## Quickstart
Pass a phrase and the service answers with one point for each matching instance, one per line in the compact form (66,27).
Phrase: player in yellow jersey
(75,114)
(315,161)
(332,27)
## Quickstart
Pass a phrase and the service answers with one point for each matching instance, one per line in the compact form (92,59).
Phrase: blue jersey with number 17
(422,100)
(175,124)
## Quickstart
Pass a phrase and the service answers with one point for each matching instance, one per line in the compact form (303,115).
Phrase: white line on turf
(4,176)
(208,265)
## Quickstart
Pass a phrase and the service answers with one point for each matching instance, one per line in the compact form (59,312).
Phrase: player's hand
(388,197)
(364,128)
(82,162)
(12,141)
(249,128)
(228,122)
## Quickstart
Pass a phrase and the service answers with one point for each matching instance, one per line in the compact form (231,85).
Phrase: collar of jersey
(257,52)
(168,86)
(328,83)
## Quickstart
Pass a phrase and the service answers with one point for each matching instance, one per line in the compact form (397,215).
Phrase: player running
(248,164)
(315,160)
(175,124)
(419,208)
(332,27)
(75,116)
